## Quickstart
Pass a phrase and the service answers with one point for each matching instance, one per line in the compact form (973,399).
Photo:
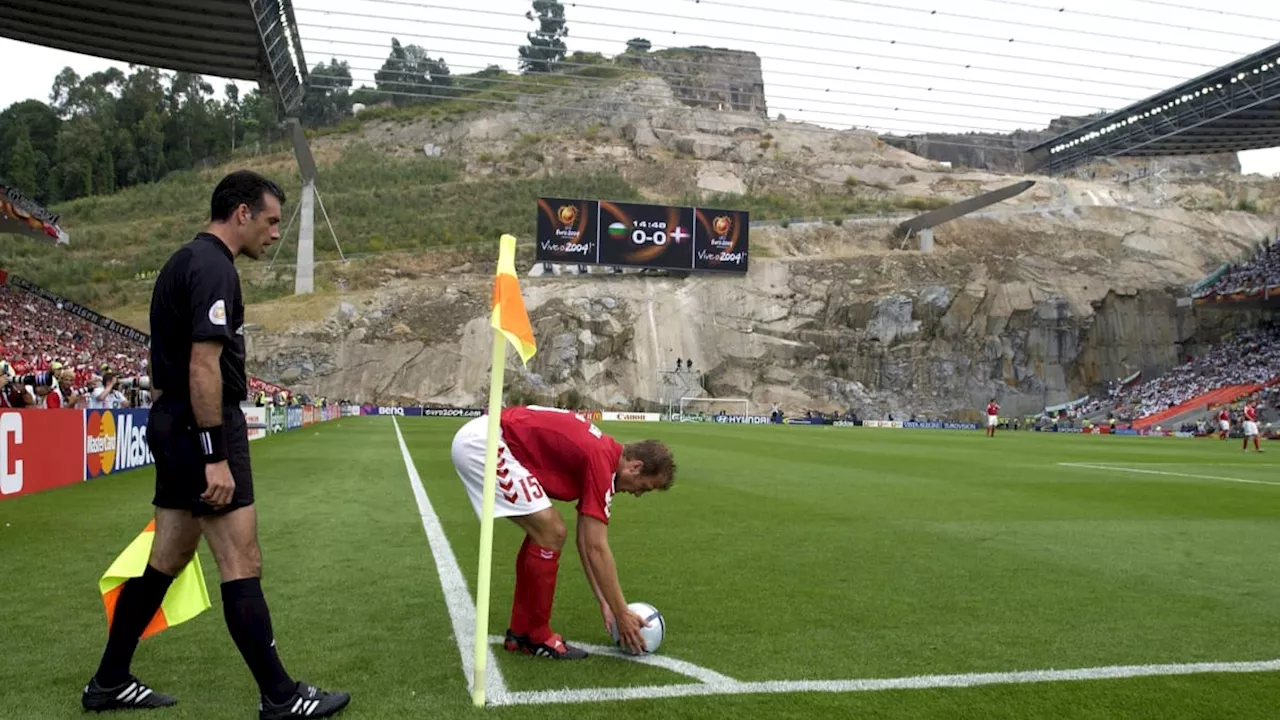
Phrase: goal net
(703,408)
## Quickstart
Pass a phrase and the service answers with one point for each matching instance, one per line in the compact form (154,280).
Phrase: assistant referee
(200,440)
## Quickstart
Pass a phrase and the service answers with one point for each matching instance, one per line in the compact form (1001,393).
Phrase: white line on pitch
(680,667)
(920,682)
(1120,468)
(457,596)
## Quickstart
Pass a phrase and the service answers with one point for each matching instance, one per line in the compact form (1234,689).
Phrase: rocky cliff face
(1036,301)
(1003,153)
(1029,309)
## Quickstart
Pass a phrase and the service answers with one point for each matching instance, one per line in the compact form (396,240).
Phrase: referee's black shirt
(197,298)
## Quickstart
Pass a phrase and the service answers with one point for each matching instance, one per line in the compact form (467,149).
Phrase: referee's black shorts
(180,462)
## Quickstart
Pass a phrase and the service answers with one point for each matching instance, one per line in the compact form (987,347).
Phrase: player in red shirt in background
(546,454)
(1224,422)
(1251,425)
(993,417)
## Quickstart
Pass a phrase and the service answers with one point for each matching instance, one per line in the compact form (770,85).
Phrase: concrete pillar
(926,240)
(304,278)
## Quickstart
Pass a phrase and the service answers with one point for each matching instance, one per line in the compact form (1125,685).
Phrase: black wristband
(212,444)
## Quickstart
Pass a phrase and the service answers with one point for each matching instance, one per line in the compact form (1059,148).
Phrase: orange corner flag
(509,315)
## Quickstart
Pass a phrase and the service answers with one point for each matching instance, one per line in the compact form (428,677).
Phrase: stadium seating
(1236,367)
(34,333)
(1262,271)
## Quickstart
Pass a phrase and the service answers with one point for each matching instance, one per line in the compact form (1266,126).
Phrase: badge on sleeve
(218,313)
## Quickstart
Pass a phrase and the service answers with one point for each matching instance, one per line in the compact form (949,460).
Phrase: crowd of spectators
(1248,358)
(1261,271)
(84,365)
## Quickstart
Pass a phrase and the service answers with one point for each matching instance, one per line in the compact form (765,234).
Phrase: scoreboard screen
(639,235)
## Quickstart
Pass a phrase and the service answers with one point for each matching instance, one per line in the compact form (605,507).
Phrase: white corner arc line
(1143,471)
(919,682)
(457,596)
(679,667)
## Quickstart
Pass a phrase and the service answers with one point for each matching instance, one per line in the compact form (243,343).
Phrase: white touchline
(680,667)
(457,596)
(919,682)
(1120,468)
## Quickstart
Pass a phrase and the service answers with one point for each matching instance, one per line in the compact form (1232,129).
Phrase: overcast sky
(993,65)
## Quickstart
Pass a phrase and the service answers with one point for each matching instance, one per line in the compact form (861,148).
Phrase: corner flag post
(510,322)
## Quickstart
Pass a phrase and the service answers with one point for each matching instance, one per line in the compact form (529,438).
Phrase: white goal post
(713,406)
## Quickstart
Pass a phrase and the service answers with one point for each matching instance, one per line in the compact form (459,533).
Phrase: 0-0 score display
(639,235)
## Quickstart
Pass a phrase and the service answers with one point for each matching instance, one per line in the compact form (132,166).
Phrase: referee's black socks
(249,621)
(138,602)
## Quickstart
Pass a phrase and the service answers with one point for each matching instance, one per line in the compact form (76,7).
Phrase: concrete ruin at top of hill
(716,79)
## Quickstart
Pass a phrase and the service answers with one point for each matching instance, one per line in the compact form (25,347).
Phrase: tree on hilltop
(410,76)
(546,47)
(328,100)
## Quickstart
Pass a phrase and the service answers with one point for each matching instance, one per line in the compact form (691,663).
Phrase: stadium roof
(1233,108)
(237,39)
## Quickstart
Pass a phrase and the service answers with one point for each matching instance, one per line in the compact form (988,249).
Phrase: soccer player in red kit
(1224,422)
(1251,426)
(993,417)
(546,454)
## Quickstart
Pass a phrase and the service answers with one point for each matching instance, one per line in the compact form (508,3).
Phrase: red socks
(536,569)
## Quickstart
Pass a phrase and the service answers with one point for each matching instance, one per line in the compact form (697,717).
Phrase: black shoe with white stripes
(308,701)
(131,694)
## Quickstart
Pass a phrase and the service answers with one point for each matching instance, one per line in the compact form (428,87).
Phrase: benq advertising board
(667,237)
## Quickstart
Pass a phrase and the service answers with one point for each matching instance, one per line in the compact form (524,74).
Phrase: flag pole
(510,322)
(486,516)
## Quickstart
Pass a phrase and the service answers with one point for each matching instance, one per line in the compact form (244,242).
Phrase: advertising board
(115,441)
(256,417)
(611,416)
(40,450)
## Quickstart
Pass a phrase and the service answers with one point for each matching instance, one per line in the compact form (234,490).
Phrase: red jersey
(1251,414)
(993,409)
(1224,416)
(570,457)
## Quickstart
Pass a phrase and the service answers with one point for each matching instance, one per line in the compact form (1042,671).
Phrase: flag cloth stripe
(509,314)
(186,598)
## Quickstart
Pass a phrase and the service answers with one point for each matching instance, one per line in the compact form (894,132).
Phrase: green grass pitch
(782,553)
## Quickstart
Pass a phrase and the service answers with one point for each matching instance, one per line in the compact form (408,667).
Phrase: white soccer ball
(653,634)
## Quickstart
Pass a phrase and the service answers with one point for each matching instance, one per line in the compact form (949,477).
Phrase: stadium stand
(1241,365)
(36,332)
(1247,279)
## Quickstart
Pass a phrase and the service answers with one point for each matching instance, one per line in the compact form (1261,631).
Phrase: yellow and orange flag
(509,315)
(187,597)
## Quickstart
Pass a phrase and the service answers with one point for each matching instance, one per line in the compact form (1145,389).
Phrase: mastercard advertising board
(115,441)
